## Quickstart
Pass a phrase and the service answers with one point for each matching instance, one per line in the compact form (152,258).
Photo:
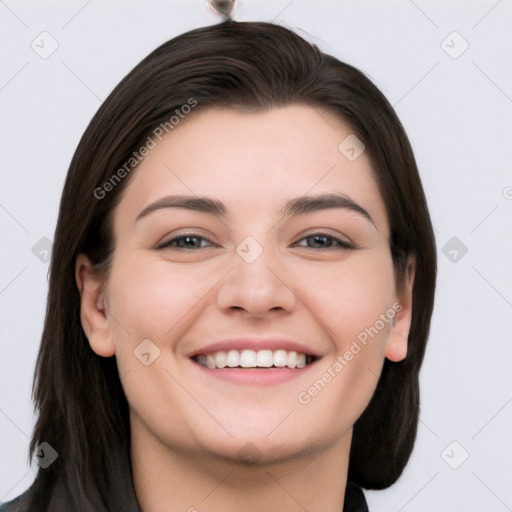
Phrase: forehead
(255,162)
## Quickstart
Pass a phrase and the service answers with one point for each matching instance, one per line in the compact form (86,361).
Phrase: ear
(93,314)
(396,346)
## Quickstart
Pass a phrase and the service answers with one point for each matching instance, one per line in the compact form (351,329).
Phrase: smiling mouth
(251,359)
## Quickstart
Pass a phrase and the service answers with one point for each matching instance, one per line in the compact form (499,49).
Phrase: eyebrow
(293,207)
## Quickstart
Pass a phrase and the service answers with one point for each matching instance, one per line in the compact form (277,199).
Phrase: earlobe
(93,314)
(396,347)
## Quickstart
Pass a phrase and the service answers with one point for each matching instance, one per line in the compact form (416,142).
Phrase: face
(251,297)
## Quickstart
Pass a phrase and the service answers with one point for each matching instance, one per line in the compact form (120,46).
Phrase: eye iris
(189,241)
(322,237)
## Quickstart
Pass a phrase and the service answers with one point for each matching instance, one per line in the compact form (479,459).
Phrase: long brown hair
(252,66)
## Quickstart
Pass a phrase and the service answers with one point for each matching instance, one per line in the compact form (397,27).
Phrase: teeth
(291,359)
(220,359)
(254,359)
(264,358)
(280,358)
(248,359)
(233,359)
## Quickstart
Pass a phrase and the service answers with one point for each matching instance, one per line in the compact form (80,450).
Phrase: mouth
(254,359)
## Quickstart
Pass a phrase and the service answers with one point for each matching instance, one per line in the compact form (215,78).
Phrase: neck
(169,479)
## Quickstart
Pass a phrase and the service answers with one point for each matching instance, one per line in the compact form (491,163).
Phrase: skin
(188,428)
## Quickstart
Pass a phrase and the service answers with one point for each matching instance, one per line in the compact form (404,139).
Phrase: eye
(186,241)
(324,241)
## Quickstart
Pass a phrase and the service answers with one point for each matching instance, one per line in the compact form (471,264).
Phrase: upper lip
(254,343)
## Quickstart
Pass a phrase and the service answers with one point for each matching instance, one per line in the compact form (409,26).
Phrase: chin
(253,446)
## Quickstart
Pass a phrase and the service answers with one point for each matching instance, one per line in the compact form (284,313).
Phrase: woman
(241,287)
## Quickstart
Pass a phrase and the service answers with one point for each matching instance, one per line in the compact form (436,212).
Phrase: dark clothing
(123,500)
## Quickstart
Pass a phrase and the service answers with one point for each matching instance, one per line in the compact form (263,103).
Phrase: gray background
(456,107)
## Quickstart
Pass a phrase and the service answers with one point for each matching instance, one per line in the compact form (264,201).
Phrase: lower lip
(255,377)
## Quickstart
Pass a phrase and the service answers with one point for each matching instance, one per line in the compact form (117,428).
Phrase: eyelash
(342,244)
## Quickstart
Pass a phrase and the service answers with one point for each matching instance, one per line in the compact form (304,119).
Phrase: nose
(257,287)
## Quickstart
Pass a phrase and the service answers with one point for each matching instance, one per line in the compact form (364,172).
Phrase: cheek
(149,298)
(349,301)
(349,297)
